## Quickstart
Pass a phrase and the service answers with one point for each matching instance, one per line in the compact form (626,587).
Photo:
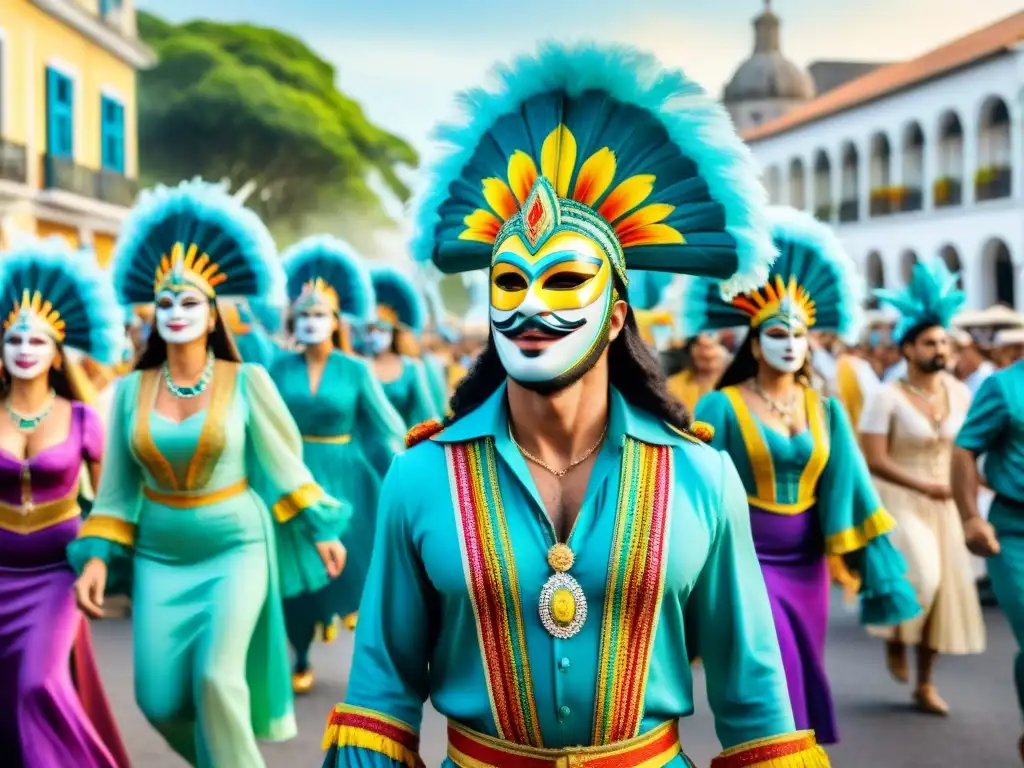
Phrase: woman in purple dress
(53,711)
(812,503)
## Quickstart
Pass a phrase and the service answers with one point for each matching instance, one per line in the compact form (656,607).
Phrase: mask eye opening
(567,280)
(512,282)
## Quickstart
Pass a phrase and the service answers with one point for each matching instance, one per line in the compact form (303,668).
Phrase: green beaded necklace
(187,393)
(29,424)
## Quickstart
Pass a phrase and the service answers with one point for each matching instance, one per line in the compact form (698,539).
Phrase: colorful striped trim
(350,726)
(636,582)
(656,748)
(792,750)
(878,523)
(491,576)
(108,528)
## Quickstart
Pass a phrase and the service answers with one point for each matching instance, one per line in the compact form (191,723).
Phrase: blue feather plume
(931,296)
(73,283)
(339,265)
(658,123)
(200,213)
(395,290)
(647,288)
(811,252)
(269,313)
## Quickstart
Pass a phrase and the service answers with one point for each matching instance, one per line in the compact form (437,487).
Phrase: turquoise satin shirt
(995,428)
(419,634)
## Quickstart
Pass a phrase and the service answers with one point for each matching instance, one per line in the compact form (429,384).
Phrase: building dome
(767,74)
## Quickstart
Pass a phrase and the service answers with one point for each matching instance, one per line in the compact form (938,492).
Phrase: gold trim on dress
(145,447)
(291,504)
(329,439)
(109,528)
(29,518)
(761,464)
(878,523)
(213,436)
(187,500)
(818,460)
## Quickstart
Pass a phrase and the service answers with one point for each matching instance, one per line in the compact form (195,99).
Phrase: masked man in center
(547,597)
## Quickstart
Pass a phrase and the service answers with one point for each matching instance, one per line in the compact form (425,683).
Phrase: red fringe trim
(423,431)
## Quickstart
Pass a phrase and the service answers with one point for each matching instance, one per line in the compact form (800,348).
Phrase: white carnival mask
(182,315)
(29,348)
(314,325)
(784,345)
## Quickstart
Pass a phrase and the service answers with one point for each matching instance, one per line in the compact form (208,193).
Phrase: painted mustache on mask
(552,324)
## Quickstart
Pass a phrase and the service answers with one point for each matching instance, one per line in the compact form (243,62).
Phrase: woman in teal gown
(810,493)
(192,436)
(345,419)
(392,340)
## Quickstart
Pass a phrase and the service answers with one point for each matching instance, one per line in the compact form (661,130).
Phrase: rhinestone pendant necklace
(29,424)
(187,393)
(785,411)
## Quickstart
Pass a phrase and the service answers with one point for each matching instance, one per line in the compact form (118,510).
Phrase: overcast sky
(404,59)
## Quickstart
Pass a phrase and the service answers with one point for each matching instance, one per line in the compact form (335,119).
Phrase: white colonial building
(916,158)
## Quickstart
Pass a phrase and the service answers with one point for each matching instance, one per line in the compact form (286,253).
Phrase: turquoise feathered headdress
(324,268)
(194,234)
(647,288)
(930,297)
(269,313)
(813,279)
(65,291)
(600,140)
(398,301)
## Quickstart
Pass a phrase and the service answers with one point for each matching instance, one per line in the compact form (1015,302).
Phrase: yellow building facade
(68,118)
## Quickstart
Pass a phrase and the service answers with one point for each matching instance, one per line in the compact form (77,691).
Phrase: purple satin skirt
(791,551)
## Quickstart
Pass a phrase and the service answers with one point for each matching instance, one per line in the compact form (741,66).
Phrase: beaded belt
(29,518)
(185,500)
(656,748)
(332,439)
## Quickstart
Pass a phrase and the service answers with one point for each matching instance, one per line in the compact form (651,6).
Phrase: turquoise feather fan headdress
(195,235)
(813,279)
(647,288)
(269,313)
(324,268)
(931,297)
(48,283)
(398,301)
(600,140)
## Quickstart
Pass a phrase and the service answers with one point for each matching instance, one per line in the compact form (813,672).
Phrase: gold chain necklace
(547,467)
(785,411)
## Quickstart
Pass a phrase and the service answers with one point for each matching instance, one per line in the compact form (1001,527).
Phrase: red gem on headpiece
(533,216)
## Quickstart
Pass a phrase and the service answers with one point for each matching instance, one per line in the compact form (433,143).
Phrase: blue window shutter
(112,135)
(60,110)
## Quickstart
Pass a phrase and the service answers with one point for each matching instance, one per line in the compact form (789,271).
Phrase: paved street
(879,729)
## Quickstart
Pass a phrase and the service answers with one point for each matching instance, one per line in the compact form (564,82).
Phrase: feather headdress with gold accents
(813,281)
(932,297)
(195,235)
(398,300)
(600,140)
(48,285)
(324,269)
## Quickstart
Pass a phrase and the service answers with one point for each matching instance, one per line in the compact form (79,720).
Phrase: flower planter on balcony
(849,211)
(911,199)
(992,183)
(823,213)
(947,191)
(881,203)
(13,162)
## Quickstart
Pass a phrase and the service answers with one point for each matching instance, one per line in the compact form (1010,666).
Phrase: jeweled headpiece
(601,141)
(325,270)
(194,235)
(812,283)
(46,284)
(931,297)
(398,301)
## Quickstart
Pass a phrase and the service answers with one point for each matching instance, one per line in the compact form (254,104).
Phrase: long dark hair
(744,365)
(632,370)
(219,340)
(59,383)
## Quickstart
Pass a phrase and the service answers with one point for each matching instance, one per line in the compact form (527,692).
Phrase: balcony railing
(13,162)
(110,187)
(849,211)
(992,183)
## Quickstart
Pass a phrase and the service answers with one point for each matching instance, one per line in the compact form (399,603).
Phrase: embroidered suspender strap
(636,581)
(350,726)
(494,589)
(656,748)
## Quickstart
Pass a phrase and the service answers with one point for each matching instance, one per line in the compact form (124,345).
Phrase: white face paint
(182,316)
(314,325)
(381,338)
(784,347)
(29,350)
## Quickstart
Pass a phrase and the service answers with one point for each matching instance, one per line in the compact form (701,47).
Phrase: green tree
(257,107)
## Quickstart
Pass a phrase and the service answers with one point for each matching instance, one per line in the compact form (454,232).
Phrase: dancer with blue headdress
(808,487)
(394,344)
(53,710)
(193,435)
(346,421)
(907,431)
(587,542)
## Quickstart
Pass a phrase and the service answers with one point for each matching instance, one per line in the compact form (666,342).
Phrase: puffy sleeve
(879,407)
(109,531)
(305,515)
(378,725)
(987,419)
(380,429)
(422,407)
(92,434)
(856,526)
(732,624)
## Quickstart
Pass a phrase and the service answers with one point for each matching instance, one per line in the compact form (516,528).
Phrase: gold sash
(29,518)
(185,500)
